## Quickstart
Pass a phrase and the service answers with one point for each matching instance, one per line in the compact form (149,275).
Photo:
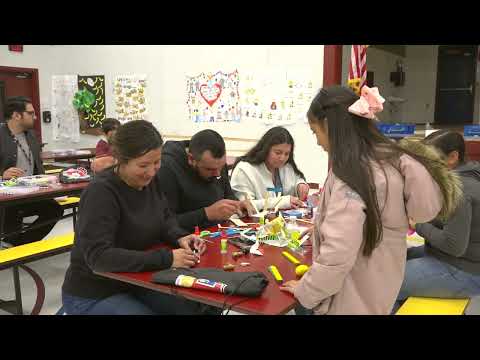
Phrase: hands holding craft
(185,255)
(296,202)
(223,209)
(411,223)
(302,191)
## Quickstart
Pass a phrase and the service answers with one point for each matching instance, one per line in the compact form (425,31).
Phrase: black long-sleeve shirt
(187,193)
(116,225)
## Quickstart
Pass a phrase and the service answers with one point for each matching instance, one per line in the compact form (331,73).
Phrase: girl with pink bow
(373,187)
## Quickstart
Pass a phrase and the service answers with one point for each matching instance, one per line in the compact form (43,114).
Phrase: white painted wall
(381,63)
(420,66)
(420,83)
(166,68)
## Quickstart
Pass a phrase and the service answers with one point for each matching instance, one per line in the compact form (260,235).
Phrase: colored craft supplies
(228,267)
(300,269)
(275,273)
(223,243)
(232,232)
(291,258)
(215,235)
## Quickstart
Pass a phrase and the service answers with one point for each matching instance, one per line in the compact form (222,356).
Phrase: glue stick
(223,244)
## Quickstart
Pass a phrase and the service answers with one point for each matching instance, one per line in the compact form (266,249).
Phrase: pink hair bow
(370,102)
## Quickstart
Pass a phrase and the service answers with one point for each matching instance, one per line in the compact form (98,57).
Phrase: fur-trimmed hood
(449,181)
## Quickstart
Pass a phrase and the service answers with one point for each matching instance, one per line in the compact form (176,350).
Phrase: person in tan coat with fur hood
(373,187)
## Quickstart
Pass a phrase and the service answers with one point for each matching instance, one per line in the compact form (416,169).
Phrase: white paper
(65,121)
(130,97)
(254,249)
(237,221)
(18,190)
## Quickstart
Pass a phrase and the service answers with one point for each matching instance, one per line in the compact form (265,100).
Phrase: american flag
(357,75)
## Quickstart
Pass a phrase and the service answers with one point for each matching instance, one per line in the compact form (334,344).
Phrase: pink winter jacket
(341,279)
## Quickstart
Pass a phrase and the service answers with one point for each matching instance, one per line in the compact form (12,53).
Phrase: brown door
(2,100)
(23,82)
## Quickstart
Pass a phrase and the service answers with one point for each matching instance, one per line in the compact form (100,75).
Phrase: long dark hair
(354,142)
(134,139)
(447,141)
(274,136)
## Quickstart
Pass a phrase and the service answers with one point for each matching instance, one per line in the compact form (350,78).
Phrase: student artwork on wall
(130,97)
(65,121)
(96,85)
(276,96)
(213,97)
(299,94)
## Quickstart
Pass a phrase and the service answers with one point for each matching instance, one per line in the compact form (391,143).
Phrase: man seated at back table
(194,178)
(20,156)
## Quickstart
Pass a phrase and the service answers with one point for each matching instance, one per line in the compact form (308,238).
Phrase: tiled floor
(51,270)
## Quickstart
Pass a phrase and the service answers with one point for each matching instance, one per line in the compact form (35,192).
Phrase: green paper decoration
(83,100)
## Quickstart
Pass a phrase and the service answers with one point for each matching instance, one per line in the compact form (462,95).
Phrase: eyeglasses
(31,113)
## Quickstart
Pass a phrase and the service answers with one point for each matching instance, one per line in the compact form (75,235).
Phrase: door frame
(35,94)
(2,97)
(437,87)
(332,65)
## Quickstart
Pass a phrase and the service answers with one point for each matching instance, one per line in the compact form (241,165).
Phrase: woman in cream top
(270,165)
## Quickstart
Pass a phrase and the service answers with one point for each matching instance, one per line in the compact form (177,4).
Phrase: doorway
(2,101)
(22,82)
(455,96)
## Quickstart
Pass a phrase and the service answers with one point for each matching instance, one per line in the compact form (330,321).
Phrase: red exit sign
(16,48)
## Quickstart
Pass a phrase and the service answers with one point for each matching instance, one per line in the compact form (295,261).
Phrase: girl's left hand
(411,223)
(191,242)
(302,191)
(289,286)
(295,202)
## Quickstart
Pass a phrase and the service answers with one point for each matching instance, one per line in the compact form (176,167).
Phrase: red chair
(472,149)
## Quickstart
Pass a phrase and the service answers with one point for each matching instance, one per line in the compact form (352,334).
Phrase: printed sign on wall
(130,97)
(96,85)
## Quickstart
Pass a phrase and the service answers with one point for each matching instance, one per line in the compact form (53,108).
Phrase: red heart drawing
(210,93)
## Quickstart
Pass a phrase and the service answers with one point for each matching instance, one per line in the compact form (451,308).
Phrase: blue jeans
(301,310)
(428,277)
(415,252)
(138,302)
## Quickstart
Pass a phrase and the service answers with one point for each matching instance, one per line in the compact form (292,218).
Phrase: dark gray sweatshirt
(457,242)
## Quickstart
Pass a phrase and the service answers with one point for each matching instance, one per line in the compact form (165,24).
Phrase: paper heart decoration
(210,93)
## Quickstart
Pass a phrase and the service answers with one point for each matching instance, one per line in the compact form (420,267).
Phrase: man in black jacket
(20,156)
(195,181)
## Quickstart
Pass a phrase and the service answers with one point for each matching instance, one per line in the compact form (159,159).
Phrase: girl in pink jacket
(373,187)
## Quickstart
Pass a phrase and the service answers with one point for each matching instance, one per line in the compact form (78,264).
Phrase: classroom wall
(382,63)
(166,68)
(420,66)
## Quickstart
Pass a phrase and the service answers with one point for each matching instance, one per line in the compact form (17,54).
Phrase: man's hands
(246,207)
(222,209)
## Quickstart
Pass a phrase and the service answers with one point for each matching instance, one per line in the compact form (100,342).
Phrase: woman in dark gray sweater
(448,266)
(123,214)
